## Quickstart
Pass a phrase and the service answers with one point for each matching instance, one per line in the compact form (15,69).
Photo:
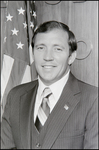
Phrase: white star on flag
(14,31)
(31,24)
(21,11)
(19,45)
(9,17)
(25,25)
(34,14)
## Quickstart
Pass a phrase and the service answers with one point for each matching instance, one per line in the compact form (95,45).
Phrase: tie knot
(47,92)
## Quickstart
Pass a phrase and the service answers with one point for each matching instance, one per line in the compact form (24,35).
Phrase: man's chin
(47,81)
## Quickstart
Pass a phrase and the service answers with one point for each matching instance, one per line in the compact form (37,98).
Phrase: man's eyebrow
(59,45)
(41,44)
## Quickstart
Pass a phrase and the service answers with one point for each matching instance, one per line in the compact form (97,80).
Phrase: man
(57,111)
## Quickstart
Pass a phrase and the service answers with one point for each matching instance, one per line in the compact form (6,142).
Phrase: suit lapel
(60,114)
(26,109)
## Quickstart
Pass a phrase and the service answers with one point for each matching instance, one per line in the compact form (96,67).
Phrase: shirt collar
(53,87)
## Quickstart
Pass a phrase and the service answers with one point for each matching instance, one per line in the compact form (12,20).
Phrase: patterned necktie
(44,110)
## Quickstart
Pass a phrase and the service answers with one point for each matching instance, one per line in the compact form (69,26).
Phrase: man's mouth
(48,66)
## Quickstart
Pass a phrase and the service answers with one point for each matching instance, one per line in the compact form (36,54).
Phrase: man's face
(51,53)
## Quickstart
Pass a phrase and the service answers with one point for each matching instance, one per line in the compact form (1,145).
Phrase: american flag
(19,25)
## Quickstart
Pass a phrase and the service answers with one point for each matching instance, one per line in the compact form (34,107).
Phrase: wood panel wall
(82,18)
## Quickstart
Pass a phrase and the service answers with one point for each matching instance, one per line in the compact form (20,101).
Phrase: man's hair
(50,25)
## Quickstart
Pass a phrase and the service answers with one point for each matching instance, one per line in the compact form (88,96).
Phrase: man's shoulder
(88,91)
(83,86)
(86,86)
(23,88)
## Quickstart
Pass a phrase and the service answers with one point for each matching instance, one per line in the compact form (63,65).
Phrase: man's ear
(72,57)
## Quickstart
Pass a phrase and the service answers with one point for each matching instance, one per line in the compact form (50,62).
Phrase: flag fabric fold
(17,55)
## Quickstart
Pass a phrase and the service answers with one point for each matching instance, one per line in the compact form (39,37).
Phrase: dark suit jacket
(73,123)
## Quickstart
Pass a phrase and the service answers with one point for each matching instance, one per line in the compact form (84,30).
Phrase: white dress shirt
(56,93)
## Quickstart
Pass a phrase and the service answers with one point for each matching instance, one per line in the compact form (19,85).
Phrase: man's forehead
(53,31)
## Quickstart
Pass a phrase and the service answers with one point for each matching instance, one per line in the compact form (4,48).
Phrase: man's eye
(58,49)
(40,48)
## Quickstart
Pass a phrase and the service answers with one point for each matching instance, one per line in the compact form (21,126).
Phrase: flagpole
(30,34)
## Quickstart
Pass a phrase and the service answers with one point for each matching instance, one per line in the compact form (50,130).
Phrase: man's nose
(48,55)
